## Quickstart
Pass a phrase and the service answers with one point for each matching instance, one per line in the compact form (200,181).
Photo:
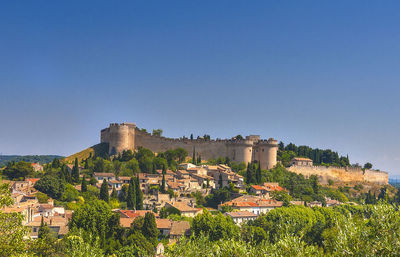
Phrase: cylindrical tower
(241,151)
(267,153)
(120,137)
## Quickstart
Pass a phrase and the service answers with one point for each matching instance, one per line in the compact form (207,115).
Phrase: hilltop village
(136,186)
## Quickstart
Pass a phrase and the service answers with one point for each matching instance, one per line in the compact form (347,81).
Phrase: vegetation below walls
(42,159)
(319,157)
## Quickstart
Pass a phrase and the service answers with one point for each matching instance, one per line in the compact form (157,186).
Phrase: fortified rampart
(342,174)
(126,136)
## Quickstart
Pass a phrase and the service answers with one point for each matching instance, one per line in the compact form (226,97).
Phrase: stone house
(99,176)
(299,161)
(186,210)
(179,229)
(240,217)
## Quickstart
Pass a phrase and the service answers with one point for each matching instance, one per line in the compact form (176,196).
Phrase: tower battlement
(126,136)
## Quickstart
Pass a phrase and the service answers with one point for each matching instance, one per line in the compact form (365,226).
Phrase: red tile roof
(133,213)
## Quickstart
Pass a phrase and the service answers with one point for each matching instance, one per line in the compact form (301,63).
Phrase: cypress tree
(104,191)
(44,230)
(114,194)
(249,174)
(75,172)
(199,159)
(220,182)
(163,184)
(131,198)
(258,174)
(84,185)
(208,183)
(139,195)
(194,156)
(149,229)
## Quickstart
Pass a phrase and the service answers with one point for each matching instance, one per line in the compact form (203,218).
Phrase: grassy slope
(99,150)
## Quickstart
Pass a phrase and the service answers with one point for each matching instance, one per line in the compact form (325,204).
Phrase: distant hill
(4,159)
(96,150)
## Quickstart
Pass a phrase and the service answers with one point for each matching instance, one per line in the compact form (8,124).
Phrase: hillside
(4,159)
(96,150)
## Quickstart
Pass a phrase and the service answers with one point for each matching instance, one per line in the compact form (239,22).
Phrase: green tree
(139,195)
(149,229)
(84,185)
(18,170)
(194,156)
(95,218)
(76,246)
(12,232)
(104,191)
(217,227)
(163,189)
(75,171)
(258,174)
(131,198)
(368,166)
(44,230)
(157,132)
(50,185)
(220,181)
(114,194)
(69,194)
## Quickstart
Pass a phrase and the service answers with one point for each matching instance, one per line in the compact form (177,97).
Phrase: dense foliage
(42,159)
(319,157)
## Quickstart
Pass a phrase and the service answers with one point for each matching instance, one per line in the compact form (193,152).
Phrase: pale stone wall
(206,149)
(341,174)
(126,136)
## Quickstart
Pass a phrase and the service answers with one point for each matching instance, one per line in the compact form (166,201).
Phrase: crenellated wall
(126,136)
(342,174)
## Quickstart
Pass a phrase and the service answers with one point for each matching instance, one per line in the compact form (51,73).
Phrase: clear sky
(318,73)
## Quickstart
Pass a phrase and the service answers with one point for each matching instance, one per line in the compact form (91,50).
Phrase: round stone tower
(267,153)
(241,151)
(119,137)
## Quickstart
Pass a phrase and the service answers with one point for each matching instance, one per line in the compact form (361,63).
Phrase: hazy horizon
(322,74)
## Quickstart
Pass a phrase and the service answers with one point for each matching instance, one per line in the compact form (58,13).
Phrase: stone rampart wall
(348,174)
(206,149)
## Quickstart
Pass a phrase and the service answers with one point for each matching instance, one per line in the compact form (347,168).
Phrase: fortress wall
(206,149)
(241,151)
(378,177)
(341,174)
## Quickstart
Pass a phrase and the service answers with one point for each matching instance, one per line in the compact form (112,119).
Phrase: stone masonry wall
(342,174)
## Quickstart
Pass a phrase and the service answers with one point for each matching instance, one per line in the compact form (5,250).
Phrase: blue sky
(318,73)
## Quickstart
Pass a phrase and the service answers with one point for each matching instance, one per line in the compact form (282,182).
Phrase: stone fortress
(305,167)
(126,136)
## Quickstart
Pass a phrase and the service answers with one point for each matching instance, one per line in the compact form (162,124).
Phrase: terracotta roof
(33,180)
(133,213)
(256,187)
(163,223)
(180,228)
(241,214)
(126,222)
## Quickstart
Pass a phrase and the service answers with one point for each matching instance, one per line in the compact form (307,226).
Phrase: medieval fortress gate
(126,136)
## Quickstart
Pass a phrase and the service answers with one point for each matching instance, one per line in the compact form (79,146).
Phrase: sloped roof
(163,223)
(180,228)
(241,214)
